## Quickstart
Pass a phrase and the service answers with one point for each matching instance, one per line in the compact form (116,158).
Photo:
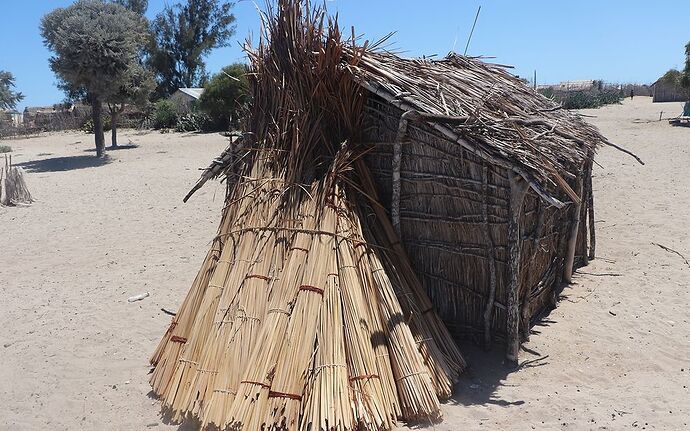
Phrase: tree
(184,34)
(139,83)
(134,87)
(96,45)
(137,6)
(685,78)
(225,96)
(8,97)
(673,77)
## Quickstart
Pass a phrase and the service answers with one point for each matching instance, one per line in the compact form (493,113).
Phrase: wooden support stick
(488,312)
(518,189)
(590,214)
(572,241)
(397,162)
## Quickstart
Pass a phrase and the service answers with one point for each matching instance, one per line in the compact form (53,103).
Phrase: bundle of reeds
(13,188)
(305,330)
(298,318)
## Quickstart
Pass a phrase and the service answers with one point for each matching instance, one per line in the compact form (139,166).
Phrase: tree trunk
(114,115)
(98,126)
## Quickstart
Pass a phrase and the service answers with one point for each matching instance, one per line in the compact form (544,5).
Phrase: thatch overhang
(489,112)
(484,109)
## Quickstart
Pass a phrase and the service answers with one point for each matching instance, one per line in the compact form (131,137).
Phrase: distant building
(669,92)
(186,98)
(11,118)
(580,85)
(56,117)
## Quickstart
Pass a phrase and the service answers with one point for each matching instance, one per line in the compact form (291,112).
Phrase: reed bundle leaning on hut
(257,352)
(297,318)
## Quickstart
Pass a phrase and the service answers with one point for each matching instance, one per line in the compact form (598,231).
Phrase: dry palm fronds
(367,389)
(319,338)
(261,360)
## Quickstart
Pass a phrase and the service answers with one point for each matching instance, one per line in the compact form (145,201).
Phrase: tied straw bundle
(302,316)
(13,188)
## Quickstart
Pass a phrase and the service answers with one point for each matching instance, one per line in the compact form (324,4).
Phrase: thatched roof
(481,107)
(488,111)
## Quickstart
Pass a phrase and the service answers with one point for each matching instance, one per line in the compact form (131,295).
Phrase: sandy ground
(614,355)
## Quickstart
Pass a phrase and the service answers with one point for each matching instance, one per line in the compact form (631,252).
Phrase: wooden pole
(572,241)
(590,214)
(396,166)
(518,189)
(488,240)
(472,31)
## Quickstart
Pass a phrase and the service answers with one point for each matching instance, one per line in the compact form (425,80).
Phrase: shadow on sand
(119,147)
(60,164)
(166,416)
(488,371)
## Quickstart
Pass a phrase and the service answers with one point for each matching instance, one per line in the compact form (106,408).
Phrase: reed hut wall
(454,209)
(663,92)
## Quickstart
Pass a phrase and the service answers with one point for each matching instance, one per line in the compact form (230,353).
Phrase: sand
(615,354)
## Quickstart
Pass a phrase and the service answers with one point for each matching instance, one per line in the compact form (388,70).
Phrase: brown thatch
(365,182)
(306,314)
(467,128)
(13,188)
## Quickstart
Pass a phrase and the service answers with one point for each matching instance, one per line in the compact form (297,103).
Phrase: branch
(670,250)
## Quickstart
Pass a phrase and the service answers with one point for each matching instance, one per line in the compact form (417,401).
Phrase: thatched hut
(488,183)
(370,197)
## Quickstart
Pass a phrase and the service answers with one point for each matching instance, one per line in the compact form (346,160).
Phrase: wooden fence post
(574,230)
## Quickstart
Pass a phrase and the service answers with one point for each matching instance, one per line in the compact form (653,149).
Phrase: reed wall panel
(442,196)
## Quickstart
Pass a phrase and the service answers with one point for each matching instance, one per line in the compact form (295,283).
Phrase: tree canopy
(8,97)
(226,95)
(685,78)
(134,87)
(672,77)
(96,46)
(184,34)
(137,6)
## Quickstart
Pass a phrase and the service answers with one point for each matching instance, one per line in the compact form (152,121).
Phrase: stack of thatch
(13,188)
(306,313)
(295,319)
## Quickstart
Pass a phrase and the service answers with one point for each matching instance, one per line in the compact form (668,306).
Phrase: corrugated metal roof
(193,92)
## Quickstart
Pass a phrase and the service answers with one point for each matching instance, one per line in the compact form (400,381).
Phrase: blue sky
(613,40)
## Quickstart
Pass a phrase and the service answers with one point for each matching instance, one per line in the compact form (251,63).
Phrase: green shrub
(225,97)
(164,115)
(193,122)
(5,149)
(87,127)
(584,99)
